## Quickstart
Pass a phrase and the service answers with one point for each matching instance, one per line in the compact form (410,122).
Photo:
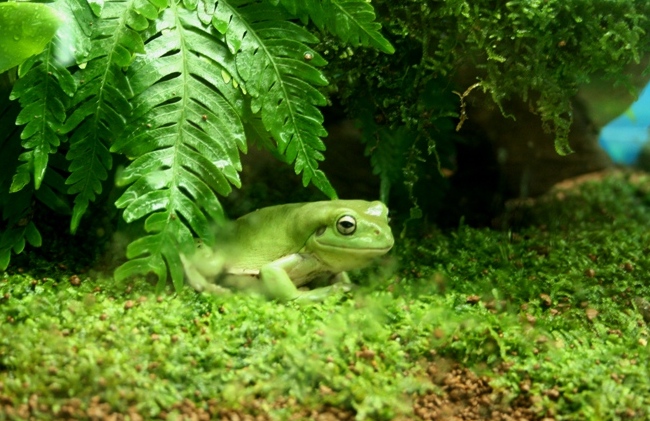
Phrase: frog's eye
(346,225)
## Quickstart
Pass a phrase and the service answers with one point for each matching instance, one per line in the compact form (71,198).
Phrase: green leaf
(52,193)
(32,235)
(25,30)
(353,21)
(5,257)
(17,218)
(41,94)
(21,178)
(101,105)
(184,136)
(15,207)
(73,37)
(271,59)
(19,244)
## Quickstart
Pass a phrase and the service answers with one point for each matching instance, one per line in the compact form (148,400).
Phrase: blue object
(624,137)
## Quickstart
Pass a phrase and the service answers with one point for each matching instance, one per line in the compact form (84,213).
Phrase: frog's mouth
(354,250)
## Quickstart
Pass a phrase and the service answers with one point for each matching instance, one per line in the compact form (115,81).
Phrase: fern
(14,216)
(185,135)
(278,71)
(43,89)
(101,105)
(18,207)
(352,21)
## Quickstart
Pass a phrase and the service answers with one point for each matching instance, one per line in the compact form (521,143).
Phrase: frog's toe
(320,294)
(344,287)
(215,289)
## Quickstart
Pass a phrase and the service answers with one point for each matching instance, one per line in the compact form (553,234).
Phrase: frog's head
(350,233)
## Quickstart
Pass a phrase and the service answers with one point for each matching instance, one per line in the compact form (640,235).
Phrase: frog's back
(266,235)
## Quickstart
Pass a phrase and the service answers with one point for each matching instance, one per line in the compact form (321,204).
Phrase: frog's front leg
(280,279)
(276,276)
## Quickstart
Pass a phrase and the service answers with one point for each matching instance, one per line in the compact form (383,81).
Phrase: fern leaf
(101,104)
(184,138)
(43,89)
(16,227)
(277,67)
(73,37)
(353,21)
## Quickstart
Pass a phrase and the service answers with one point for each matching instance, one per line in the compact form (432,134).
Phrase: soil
(464,396)
(460,395)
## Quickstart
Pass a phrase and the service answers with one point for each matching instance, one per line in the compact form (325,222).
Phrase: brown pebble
(591,313)
(324,390)
(366,354)
(553,393)
(473,299)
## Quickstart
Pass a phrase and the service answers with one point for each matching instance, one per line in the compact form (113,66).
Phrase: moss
(551,310)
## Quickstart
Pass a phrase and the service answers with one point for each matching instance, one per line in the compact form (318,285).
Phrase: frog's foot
(320,294)
(215,289)
(197,281)
(277,285)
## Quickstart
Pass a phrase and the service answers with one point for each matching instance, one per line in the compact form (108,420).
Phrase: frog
(295,251)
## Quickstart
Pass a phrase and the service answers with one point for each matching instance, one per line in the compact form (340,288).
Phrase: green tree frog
(278,249)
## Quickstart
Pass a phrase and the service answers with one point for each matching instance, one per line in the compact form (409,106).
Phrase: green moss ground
(552,308)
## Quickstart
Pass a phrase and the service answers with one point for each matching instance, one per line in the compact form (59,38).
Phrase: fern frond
(19,228)
(44,89)
(101,104)
(16,226)
(73,37)
(184,135)
(353,21)
(277,67)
